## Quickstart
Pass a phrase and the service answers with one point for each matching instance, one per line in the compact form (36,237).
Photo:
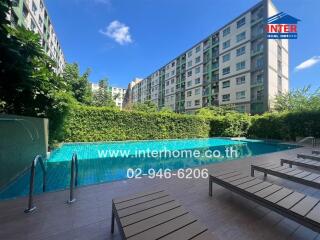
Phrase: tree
(103,97)
(29,86)
(78,85)
(298,100)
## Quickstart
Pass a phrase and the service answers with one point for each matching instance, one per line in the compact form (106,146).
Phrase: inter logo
(282,26)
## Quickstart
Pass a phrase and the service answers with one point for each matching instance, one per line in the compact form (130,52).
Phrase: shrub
(88,124)
(229,125)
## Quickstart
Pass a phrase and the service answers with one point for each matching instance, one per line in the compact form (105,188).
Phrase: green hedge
(89,124)
(230,125)
(287,125)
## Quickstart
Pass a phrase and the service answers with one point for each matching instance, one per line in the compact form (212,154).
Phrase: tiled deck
(227,215)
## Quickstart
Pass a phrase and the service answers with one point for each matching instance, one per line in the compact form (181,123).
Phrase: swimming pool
(96,165)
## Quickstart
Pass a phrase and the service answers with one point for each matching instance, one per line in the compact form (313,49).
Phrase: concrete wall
(21,139)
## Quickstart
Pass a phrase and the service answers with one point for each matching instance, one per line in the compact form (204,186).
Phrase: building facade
(236,65)
(34,16)
(118,94)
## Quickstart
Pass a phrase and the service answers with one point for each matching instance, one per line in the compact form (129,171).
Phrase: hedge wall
(89,124)
(287,125)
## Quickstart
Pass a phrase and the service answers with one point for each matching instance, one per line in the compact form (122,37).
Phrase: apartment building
(34,16)
(236,65)
(118,94)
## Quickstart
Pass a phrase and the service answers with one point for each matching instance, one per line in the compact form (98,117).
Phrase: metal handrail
(38,158)
(73,177)
(314,143)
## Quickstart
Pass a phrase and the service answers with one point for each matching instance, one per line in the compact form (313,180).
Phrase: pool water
(96,168)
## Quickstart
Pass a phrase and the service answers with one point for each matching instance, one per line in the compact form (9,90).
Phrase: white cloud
(118,31)
(308,63)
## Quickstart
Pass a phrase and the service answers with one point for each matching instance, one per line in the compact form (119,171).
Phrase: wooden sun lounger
(296,206)
(307,163)
(154,215)
(314,156)
(296,175)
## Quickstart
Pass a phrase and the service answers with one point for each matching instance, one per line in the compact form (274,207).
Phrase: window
(167,83)
(172,98)
(25,11)
(225,97)
(197,81)
(188,103)
(226,44)
(241,51)
(172,73)
(198,48)
(241,95)
(226,57)
(241,36)
(260,78)
(197,102)
(197,70)
(33,25)
(190,64)
(226,71)
(241,65)
(189,93)
(190,53)
(197,91)
(241,80)
(167,91)
(172,81)
(34,7)
(241,22)
(167,75)
(226,31)
(189,73)
(173,64)
(226,84)
(189,83)
(259,63)
(198,59)
(172,89)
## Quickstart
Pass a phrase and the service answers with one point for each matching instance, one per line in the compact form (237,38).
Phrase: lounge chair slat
(295,172)
(149,213)
(304,206)
(188,232)
(291,200)
(165,228)
(234,174)
(314,214)
(302,163)
(292,174)
(154,221)
(224,173)
(145,206)
(203,236)
(154,216)
(242,180)
(303,174)
(293,205)
(268,191)
(251,183)
(234,178)
(141,200)
(311,177)
(258,187)
(315,157)
(279,195)
(278,168)
(139,195)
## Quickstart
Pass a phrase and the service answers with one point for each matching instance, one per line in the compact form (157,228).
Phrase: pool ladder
(73,180)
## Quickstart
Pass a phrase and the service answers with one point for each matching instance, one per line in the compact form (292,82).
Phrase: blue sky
(123,39)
